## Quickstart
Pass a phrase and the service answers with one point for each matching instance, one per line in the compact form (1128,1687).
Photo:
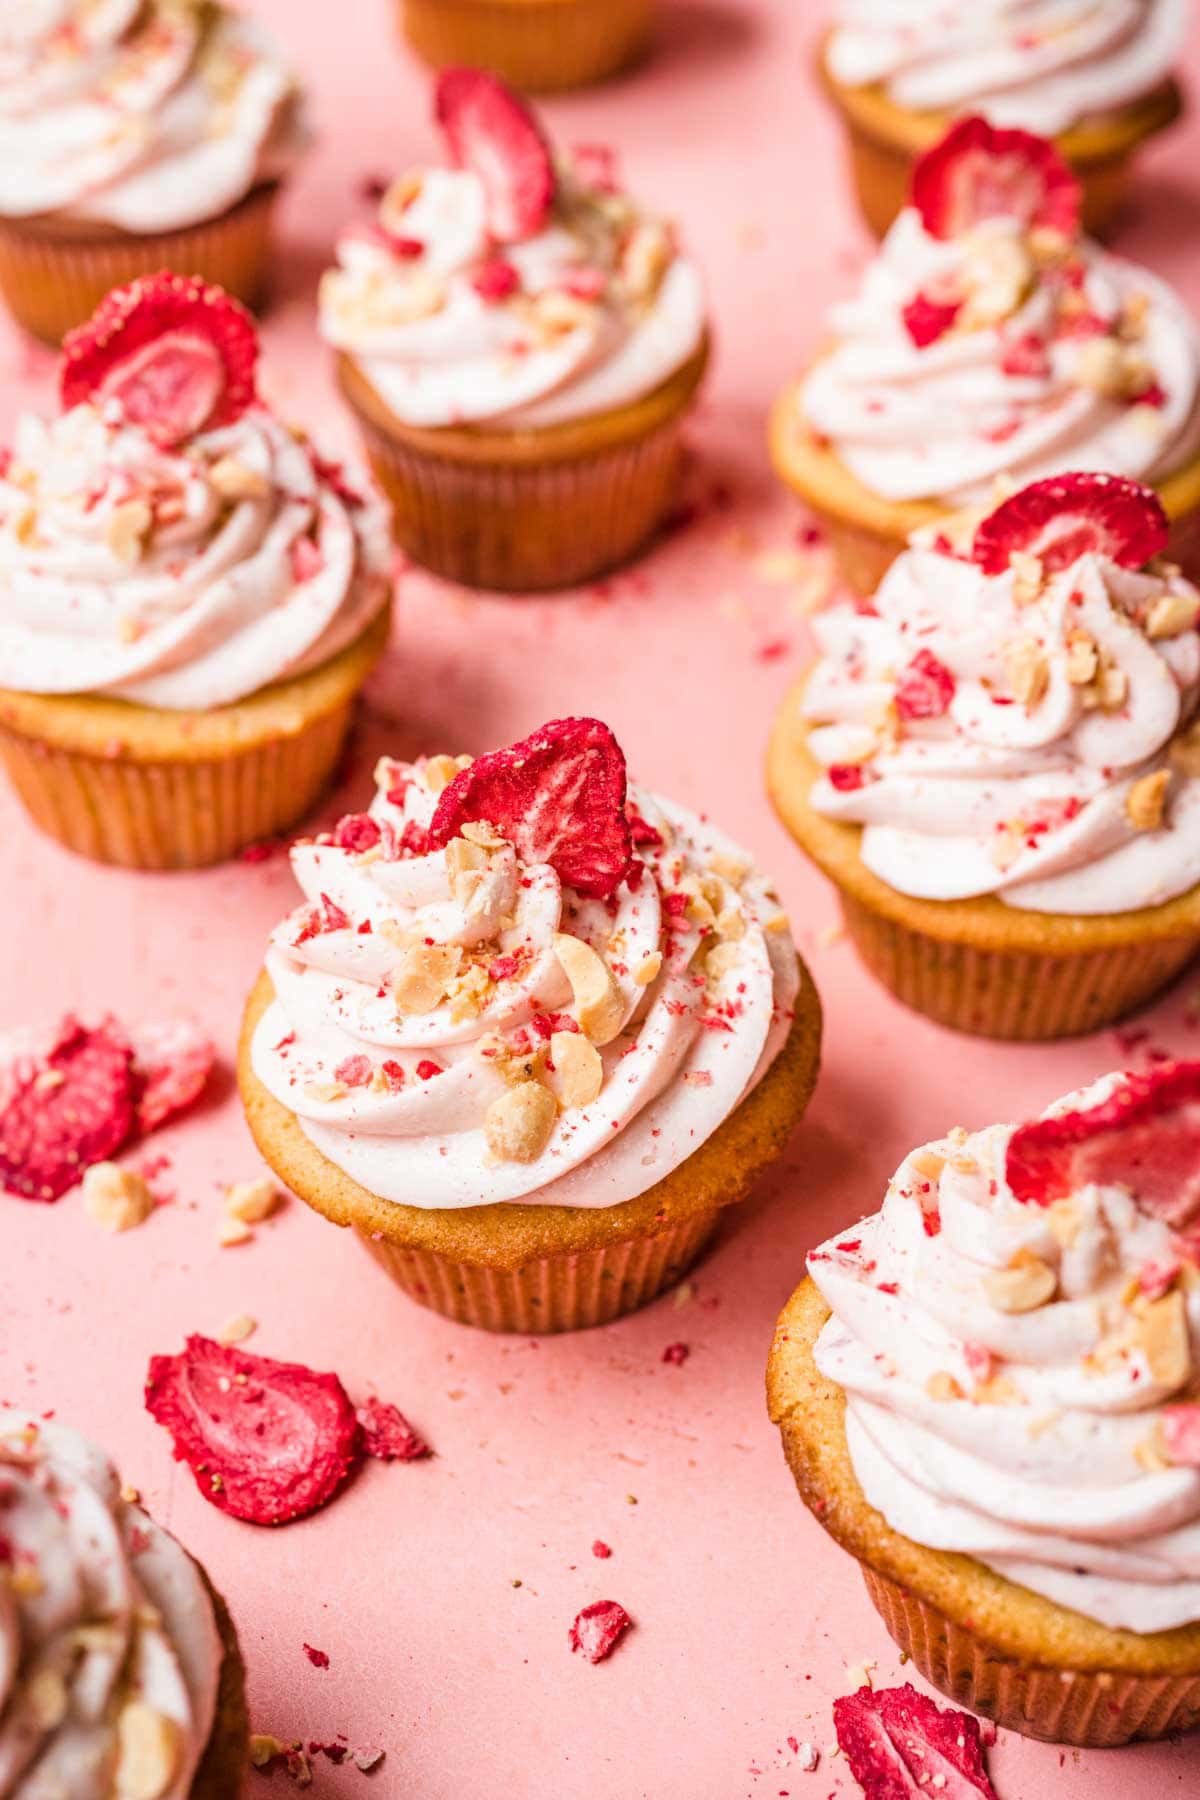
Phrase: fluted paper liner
(539,46)
(528,510)
(53,277)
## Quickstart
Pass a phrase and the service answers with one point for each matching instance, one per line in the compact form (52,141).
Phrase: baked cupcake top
(147,115)
(1016,1333)
(513,980)
(989,337)
(1043,64)
(1011,716)
(165,539)
(511,287)
(110,1656)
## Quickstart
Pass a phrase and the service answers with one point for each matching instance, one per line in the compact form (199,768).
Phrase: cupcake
(135,136)
(989,343)
(989,1393)
(537,45)
(121,1671)
(528,1033)
(996,764)
(190,596)
(519,344)
(1093,74)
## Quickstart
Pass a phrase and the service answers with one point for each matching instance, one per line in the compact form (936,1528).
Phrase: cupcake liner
(556,1293)
(173,815)
(1012,993)
(53,277)
(224,1761)
(1095,1709)
(538,45)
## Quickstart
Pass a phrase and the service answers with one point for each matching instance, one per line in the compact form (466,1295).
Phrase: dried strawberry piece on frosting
(979,171)
(928,317)
(266,1441)
(491,131)
(387,1434)
(172,1062)
(1179,1427)
(558,797)
(900,1745)
(924,687)
(598,1628)
(176,354)
(1069,516)
(1144,1136)
(67,1109)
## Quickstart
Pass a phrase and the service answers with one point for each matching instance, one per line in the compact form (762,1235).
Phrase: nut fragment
(944,1386)
(648,969)
(518,1123)
(438,772)
(127,530)
(1145,803)
(1028,673)
(234,480)
(1025,1285)
(252,1201)
(1112,369)
(599,1007)
(1083,658)
(1162,1334)
(422,976)
(1028,576)
(45,1699)
(237,1329)
(575,1073)
(149,1746)
(115,1198)
(1171,614)
(231,1232)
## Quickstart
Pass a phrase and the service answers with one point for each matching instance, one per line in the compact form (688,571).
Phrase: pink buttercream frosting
(1007,1368)
(144,114)
(101,1611)
(701,978)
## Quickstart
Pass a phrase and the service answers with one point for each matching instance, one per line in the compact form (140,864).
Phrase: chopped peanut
(1028,673)
(116,1199)
(127,530)
(1170,615)
(1025,1285)
(1145,803)
(252,1201)
(575,1073)
(233,480)
(599,1007)
(149,1746)
(518,1124)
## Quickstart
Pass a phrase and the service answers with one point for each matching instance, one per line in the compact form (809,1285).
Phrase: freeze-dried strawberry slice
(66,1109)
(978,172)
(900,1746)
(927,318)
(176,354)
(596,1630)
(1145,1137)
(388,1435)
(1069,516)
(266,1441)
(491,131)
(924,687)
(1180,1429)
(558,797)
(172,1062)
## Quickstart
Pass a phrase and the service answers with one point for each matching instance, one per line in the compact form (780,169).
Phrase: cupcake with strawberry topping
(1096,75)
(990,343)
(989,1393)
(136,135)
(190,595)
(519,343)
(528,1033)
(540,46)
(121,1673)
(996,762)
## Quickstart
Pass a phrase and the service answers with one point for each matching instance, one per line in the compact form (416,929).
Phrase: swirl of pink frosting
(1041,64)
(148,115)
(1051,357)
(108,1643)
(1006,1370)
(414,988)
(1013,734)
(596,309)
(183,577)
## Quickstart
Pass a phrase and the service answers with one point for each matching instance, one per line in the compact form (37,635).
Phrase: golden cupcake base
(867,533)
(150,789)
(977,965)
(540,46)
(884,140)
(54,272)
(522,511)
(992,1646)
(531,1268)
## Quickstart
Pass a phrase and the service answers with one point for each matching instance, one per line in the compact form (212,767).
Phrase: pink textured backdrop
(442,1592)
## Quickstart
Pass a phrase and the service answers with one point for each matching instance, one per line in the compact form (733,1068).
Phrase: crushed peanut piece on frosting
(116,1199)
(45,1699)
(1162,1335)
(574,1073)
(1028,673)
(437,772)
(1029,577)
(648,969)
(1145,803)
(234,480)
(149,1747)
(518,1124)
(1083,658)
(128,529)
(1025,1285)
(599,1007)
(1170,615)
(942,1385)
(422,977)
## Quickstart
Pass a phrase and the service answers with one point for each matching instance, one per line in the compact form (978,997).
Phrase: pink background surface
(747,1617)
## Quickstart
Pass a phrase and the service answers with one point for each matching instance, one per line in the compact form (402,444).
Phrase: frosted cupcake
(537,45)
(121,1671)
(529,1033)
(989,343)
(995,762)
(136,135)
(190,596)
(988,1394)
(1093,74)
(519,343)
